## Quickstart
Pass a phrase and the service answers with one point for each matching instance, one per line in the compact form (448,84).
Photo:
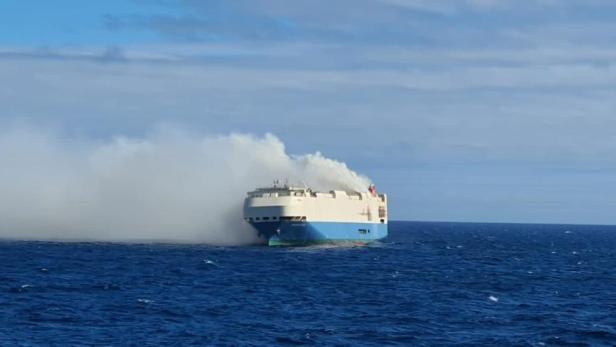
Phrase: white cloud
(443,92)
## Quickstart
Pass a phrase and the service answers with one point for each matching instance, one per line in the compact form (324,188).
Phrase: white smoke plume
(168,186)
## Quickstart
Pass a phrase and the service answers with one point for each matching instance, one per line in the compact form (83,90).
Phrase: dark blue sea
(429,284)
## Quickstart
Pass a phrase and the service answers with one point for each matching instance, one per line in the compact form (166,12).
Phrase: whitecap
(493,298)
(209,262)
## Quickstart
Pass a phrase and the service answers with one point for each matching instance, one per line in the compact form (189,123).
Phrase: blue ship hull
(296,233)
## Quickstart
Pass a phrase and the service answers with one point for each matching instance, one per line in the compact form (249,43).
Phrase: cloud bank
(466,110)
(167,186)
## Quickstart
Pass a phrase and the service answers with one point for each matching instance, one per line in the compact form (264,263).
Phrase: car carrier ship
(295,216)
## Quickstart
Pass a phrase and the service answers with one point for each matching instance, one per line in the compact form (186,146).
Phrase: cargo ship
(297,216)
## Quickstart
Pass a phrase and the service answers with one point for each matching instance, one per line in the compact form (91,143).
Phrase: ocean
(428,284)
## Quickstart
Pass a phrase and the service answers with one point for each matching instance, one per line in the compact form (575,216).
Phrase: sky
(461,110)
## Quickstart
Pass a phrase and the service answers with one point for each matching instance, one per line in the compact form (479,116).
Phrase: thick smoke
(169,186)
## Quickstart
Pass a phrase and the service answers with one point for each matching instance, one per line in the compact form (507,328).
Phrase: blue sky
(467,110)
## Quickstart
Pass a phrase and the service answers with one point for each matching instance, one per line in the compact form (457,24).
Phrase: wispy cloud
(461,93)
(403,22)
